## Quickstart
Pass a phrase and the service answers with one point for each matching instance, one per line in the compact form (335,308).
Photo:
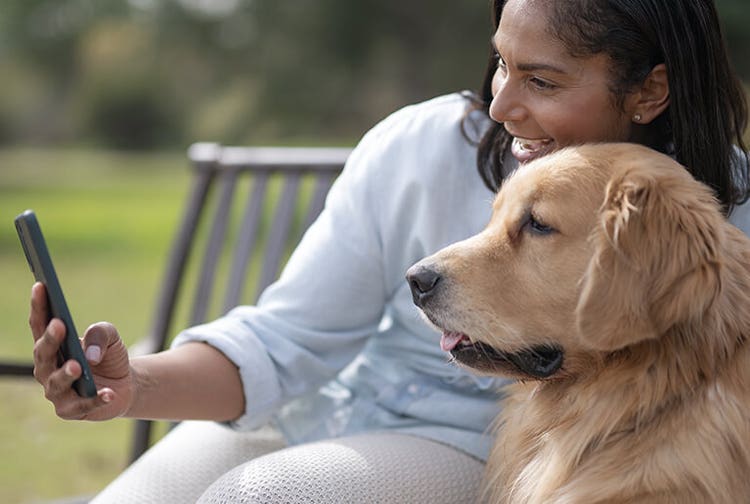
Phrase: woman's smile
(525,149)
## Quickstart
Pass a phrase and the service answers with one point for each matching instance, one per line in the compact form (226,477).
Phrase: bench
(230,246)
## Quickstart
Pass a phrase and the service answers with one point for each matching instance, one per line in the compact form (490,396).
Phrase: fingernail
(68,371)
(106,398)
(94,353)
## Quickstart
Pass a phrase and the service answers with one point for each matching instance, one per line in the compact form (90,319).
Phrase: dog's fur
(643,288)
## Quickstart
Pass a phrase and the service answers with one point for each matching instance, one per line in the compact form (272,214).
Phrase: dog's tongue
(450,339)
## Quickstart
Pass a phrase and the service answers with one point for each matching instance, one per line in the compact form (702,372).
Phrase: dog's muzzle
(537,362)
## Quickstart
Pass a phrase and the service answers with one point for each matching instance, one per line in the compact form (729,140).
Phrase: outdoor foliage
(154,73)
(148,73)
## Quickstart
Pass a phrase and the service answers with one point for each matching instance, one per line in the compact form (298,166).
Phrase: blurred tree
(39,40)
(148,73)
(119,98)
(735,18)
(339,66)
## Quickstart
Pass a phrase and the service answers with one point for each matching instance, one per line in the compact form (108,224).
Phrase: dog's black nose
(422,281)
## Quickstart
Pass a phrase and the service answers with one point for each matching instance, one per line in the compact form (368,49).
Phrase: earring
(637,118)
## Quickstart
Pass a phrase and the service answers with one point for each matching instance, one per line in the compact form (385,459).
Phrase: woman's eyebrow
(535,67)
(530,67)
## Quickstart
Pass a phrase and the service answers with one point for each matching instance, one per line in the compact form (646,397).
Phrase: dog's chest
(541,476)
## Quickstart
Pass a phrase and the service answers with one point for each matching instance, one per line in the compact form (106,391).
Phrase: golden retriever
(610,285)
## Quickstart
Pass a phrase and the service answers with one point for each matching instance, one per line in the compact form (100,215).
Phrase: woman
(340,354)
(641,41)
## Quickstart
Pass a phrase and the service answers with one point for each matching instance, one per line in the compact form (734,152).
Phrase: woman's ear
(652,98)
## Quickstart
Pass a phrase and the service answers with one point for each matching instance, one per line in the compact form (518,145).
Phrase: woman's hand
(192,381)
(105,353)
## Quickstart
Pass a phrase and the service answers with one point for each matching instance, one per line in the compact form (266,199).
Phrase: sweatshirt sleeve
(329,299)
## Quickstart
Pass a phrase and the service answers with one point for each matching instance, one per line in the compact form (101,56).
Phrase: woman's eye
(537,227)
(500,61)
(541,85)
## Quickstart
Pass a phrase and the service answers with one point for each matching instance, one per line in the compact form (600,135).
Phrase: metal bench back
(285,192)
(247,208)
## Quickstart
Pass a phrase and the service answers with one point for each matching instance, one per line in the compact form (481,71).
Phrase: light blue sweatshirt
(336,346)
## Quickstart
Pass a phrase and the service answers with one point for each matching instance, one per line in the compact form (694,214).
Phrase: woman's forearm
(192,381)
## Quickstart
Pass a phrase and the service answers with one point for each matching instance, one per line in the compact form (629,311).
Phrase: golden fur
(615,256)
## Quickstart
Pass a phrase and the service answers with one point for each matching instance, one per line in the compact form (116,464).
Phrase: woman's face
(546,98)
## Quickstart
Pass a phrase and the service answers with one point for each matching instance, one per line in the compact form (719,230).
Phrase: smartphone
(40,262)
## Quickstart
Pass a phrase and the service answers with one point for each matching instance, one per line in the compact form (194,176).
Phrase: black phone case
(40,262)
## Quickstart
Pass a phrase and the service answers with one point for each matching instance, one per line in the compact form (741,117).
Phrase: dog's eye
(537,227)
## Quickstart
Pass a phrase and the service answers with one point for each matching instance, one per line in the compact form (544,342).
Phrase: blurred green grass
(108,219)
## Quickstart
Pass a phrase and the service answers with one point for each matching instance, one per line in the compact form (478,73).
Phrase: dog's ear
(655,258)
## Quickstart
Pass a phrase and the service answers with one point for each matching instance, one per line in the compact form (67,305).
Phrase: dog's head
(589,250)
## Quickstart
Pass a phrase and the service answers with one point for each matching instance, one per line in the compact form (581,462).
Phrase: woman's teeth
(531,145)
(525,150)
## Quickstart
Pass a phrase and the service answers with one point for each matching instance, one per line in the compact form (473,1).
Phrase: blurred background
(145,74)
(99,100)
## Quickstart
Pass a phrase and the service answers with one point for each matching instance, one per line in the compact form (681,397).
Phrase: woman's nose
(506,104)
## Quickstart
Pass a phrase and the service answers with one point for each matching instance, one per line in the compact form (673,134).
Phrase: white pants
(207,463)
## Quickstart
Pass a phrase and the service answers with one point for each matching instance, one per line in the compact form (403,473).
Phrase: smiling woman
(565,73)
(539,89)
